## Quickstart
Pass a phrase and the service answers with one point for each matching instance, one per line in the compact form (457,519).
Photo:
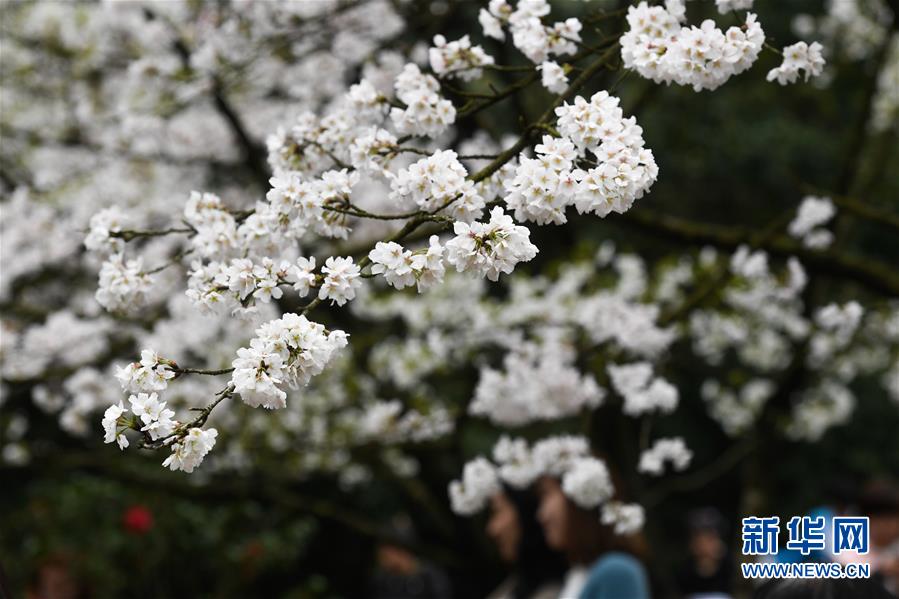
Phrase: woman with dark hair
(603,565)
(537,571)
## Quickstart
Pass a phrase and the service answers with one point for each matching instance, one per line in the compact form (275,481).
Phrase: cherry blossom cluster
(189,452)
(673,451)
(813,213)
(235,286)
(584,478)
(762,319)
(799,57)
(534,39)
(216,230)
(438,182)
(623,172)
(64,341)
(296,206)
(659,48)
(287,351)
(404,268)
(426,112)
(835,327)
(387,421)
(736,410)
(764,314)
(726,6)
(123,284)
(479,482)
(458,58)
(642,391)
(103,226)
(491,248)
(624,518)
(819,408)
(154,416)
(21,251)
(553,76)
(532,373)
(152,373)
(587,482)
(458,321)
(151,417)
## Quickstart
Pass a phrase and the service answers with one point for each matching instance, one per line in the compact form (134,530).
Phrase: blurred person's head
(880,502)
(576,532)
(519,539)
(823,588)
(706,530)
(392,553)
(396,559)
(504,526)
(54,579)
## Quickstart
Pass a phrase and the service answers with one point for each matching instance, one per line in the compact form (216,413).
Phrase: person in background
(707,573)
(55,578)
(536,570)
(602,565)
(880,502)
(400,573)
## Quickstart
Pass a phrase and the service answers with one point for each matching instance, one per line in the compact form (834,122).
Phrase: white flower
(102,225)
(736,412)
(403,268)
(426,112)
(302,275)
(458,58)
(373,150)
(148,375)
(554,455)
(539,382)
(190,451)
(516,464)
(587,482)
(287,351)
(820,408)
(479,482)
(553,77)
(216,228)
(428,265)
(626,518)
(725,6)
(366,100)
(798,57)
(257,373)
(123,285)
(110,425)
(642,393)
(492,25)
(488,249)
(625,169)
(436,182)
(807,225)
(146,405)
(660,49)
(156,418)
(394,262)
(652,461)
(341,280)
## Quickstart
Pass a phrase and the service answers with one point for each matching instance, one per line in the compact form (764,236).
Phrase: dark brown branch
(874,275)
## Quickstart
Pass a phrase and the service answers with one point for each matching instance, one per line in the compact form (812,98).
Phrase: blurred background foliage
(739,156)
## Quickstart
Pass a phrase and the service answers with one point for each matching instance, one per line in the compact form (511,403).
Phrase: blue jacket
(616,575)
